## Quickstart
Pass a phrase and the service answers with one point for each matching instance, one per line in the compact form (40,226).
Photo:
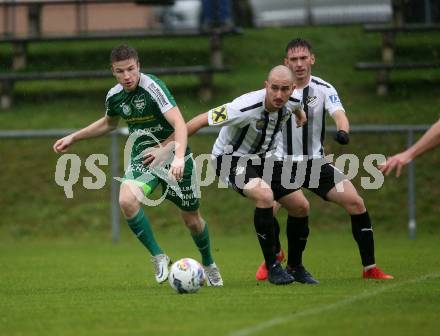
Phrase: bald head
(280,72)
(279,86)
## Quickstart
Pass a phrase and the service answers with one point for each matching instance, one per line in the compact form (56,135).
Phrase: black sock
(276,231)
(297,230)
(263,222)
(363,234)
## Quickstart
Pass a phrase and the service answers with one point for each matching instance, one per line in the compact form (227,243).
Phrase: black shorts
(238,171)
(316,175)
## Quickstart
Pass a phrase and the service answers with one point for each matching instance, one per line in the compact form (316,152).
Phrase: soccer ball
(186,276)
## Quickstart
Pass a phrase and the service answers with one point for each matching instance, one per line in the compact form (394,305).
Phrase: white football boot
(161,263)
(213,277)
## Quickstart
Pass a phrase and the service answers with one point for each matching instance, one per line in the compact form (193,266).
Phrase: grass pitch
(93,287)
(53,285)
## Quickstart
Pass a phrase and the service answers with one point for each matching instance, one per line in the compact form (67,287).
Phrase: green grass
(62,276)
(93,287)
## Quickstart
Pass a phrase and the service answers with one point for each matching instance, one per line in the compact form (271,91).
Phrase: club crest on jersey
(312,100)
(219,114)
(126,109)
(139,102)
(259,125)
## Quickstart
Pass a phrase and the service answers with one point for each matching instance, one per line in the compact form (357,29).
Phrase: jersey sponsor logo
(334,99)
(126,109)
(154,129)
(140,119)
(148,131)
(158,94)
(312,101)
(139,102)
(219,114)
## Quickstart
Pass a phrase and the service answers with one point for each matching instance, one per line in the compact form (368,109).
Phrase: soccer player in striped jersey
(152,114)
(305,146)
(250,125)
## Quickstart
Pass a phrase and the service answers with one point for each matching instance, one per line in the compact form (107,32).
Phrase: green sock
(204,246)
(141,227)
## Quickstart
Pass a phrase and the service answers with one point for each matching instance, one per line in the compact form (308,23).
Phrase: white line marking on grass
(365,295)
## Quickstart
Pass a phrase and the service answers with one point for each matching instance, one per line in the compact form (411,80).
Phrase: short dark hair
(298,43)
(122,53)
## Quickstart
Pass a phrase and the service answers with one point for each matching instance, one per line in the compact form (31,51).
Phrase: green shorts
(185,193)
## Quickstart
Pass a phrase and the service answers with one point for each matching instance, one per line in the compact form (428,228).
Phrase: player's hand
(155,156)
(397,162)
(177,168)
(301,120)
(342,137)
(62,145)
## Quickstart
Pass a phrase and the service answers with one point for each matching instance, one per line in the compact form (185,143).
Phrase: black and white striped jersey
(247,128)
(318,97)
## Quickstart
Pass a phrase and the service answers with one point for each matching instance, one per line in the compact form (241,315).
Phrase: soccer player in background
(428,141)
(305,147)
(250,125)
(151,113)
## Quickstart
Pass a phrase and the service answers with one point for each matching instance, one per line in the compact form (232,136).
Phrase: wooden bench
(383,70)
(7,80)
(20,44)
(205,72)
(388,46)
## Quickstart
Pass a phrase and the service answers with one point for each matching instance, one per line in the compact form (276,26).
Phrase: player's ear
(286,61)
(312,59)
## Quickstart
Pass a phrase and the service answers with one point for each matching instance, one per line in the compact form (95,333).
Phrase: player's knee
(355,205)
(264,198)
(128,203)
(193,222)
(299,208)
(302,208)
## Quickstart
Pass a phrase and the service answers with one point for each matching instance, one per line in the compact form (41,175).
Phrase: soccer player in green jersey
(151,114)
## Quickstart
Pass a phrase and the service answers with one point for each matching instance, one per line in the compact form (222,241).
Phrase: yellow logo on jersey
(219,114)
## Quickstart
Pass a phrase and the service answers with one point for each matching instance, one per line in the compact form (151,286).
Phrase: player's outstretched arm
(99,127)
(342,127)
(197,123)
(428,141)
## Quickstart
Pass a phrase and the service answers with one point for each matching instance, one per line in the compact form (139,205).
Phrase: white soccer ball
(186,276)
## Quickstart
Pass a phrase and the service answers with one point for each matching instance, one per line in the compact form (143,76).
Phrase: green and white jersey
(143,110)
